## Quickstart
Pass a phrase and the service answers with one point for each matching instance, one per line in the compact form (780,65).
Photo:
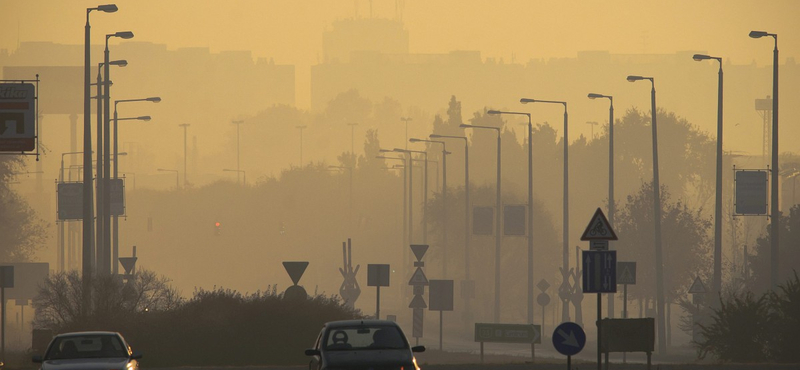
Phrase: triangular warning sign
(599,228)
(128,263)
(419,250)
(697,287)
(625,277)
(295,270)
(418,302)
(418,278)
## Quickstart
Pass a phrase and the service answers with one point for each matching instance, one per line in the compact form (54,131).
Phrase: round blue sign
(569,338)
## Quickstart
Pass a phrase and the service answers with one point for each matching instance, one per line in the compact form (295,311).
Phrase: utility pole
(238,169)
(185,181)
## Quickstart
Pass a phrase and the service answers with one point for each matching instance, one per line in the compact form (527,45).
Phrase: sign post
(543,299)
(418,282)
(295,271)
(599,272)
(6,281)
(441,297)
(378,276)
(626,274)
(507,333)
(698,292)
(349,290)
(569,339)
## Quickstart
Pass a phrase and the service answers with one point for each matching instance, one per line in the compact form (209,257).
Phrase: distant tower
(764,108)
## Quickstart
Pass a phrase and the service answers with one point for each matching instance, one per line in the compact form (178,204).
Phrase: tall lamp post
(115,220)
(87,163)
(301,128)
(238,152)
(497,236)
(774,215)
(565,222)
(405,204)
(662,334)
(530,208)
(444,198)
(106,256)
(611,204)
(717,282)
(406,120)
(424,192)
(185,158)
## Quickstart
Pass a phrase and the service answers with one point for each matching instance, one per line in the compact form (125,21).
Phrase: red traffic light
(217,224)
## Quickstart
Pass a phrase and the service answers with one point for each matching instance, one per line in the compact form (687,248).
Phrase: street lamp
(405,204)
(662,336)
(301,128)
(238,124)
(530,207)
(611,204)
(105,257)
(424,192)
(87,247)
(717,282)
(774,211)
(244,174)
(185,158)
(444,197)
(406,120)
(177,176)
(565,212)
(498,206)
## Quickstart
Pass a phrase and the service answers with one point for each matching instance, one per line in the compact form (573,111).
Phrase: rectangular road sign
(483,221)
(626,273)
(70,201)
(628,335)
(750,192)
(514,220)
(117,193)
(17,117)
(599,271)
(377,275)
(508,333)
(441,295)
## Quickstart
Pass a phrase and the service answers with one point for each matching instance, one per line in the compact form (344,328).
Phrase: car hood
(112,363)
(371,358)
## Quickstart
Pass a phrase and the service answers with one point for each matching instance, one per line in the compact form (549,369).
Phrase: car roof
(80,333)
(351,323)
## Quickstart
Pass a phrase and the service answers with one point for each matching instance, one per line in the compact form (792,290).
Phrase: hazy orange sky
(291,31)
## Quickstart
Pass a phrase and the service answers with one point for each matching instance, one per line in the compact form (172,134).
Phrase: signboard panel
(483,221)
(626,273)
(441,295)
(508,333)
(17,117)
(70,201)
(117,194)
(751,192)
(514,220)
(599,228)
(377,275)
(27,277)
(628,335)
(569,338)
(599,271)
(697,286)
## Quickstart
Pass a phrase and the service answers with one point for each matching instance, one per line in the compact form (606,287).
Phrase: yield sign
(418,278)
(128,263)
(419,250)
(295,270)
(697,286)
(599,228)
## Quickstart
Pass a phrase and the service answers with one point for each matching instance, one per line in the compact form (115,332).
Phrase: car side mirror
(37,359)
(136,355)
(418,349)
(312,352)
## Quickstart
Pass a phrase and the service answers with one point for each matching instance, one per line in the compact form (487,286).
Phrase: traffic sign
(543,285)
(514,220)
(543,299)
(70,200)
(483,220)
(599,228)
(17,117)
(697,286)
(418,302)
(419,251)
(295,270)
(128,263)
(417,326)
(6,277)
(418,278)
(569,338)
(599,271)
(377,275)
(441,295)
(508,333)
(626,273)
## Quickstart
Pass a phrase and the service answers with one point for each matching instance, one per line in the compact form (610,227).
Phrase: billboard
(63,86)
(70,201)
(17,117)
(482,218)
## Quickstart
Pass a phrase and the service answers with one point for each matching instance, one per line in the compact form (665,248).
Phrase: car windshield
(86,346)
(364,337)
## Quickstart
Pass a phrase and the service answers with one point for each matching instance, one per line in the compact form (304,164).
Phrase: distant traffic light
(217,228)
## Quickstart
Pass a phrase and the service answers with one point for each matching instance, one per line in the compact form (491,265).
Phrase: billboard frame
(35,83)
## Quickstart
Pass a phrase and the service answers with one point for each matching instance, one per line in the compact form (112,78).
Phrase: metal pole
(378,304)
(87,178)
(98,221)
(624,313)
(466,214)
(530,224)
(441,325)
(718,199)
(115,257)
(599,334)
(185,181)
(774,209)
(565,214)
(425,203)
(662,339)
(611,204)
(410,197)
(497,239)
(106,260)
(444,214)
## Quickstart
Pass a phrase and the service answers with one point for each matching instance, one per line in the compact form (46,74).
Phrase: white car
(89,350)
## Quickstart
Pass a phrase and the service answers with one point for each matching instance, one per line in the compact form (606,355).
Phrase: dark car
(89,350)
(362,344)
